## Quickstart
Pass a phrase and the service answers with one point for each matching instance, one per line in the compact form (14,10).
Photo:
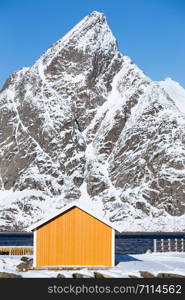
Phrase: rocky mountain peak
(84,123)
(90,36)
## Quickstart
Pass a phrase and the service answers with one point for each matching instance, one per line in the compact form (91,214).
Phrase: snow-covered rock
(84,123)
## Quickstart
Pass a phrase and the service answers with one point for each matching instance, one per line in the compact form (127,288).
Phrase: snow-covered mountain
(84,123)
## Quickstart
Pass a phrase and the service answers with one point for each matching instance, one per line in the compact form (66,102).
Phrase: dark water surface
(137,243)
(16,239)
(125,243)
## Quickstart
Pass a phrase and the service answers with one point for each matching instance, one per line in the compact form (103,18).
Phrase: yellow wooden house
(74,236)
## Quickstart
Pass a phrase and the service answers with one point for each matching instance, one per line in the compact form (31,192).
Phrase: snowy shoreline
(130,266)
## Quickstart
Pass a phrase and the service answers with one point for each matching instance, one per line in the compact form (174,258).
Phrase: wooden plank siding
(74,238)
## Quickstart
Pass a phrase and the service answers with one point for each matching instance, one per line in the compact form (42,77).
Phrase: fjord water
(125,243)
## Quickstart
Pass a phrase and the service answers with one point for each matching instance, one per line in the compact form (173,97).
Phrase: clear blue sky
(151,32)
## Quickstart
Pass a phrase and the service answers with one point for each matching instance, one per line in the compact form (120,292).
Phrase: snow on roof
(67,207)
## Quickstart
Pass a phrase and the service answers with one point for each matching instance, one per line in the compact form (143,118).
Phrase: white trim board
(67,207)
(34,247)
(113,247)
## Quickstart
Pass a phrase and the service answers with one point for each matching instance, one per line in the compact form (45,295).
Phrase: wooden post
(162,245)
(176,245)
(155,245)
(169,244)
(182,245)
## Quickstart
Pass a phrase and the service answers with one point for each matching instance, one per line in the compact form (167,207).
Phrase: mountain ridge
(84,123)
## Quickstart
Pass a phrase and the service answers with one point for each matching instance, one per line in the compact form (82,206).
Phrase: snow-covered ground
(154,263)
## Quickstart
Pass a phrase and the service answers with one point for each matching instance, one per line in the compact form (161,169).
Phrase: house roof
(67,207)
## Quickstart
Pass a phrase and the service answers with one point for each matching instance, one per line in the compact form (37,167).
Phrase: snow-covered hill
(84,123)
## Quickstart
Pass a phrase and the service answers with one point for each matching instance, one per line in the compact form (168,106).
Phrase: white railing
(169,245)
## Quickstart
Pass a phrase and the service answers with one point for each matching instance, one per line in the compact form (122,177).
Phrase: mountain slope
(85,123)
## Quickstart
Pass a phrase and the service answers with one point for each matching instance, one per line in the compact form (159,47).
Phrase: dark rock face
(9,275)
(25,265)
(85,123)
(146,274)
(26,259)
(80,275)
(169,275)
(60,276)
(102,275)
